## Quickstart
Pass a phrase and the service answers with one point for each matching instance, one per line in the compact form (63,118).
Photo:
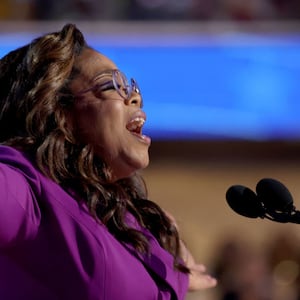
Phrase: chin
(139,166)
(130,167)
(144,163)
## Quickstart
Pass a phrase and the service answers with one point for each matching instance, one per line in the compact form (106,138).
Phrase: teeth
(136,124)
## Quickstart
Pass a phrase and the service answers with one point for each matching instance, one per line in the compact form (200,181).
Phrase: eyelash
(105,87)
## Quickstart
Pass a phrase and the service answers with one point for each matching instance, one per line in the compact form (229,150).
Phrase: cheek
(101,124)
(85,120)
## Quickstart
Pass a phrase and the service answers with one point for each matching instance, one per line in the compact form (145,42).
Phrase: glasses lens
(121,84)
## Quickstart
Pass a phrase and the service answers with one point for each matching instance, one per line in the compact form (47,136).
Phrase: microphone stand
(292,216)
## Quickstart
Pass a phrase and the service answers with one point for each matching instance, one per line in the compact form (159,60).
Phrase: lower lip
(144,138)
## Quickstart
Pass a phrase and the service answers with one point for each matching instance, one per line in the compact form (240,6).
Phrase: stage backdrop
(197,84)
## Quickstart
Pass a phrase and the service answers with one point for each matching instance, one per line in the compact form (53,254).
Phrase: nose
(135,100)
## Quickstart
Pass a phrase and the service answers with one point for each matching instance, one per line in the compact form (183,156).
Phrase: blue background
(234,86)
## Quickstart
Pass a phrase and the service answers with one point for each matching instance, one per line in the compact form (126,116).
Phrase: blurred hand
(198,278)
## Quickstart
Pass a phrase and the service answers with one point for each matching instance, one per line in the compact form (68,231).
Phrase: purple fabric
(51,248)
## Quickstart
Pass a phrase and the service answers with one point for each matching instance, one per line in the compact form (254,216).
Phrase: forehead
(91,63)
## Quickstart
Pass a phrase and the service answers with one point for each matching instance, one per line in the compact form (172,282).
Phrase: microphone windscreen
(244,201)
(274,195)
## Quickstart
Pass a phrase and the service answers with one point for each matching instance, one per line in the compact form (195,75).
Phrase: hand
(198,279)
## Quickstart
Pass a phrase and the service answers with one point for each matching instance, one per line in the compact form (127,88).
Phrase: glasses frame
(128,88)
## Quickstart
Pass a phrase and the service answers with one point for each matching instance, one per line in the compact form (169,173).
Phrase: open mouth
(135,126)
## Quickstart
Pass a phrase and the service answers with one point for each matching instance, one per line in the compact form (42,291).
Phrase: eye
(102,87)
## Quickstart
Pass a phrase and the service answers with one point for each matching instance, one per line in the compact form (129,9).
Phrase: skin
(100,119)
(198,278)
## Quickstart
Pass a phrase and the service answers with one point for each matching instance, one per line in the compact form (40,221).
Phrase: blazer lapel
(160,264)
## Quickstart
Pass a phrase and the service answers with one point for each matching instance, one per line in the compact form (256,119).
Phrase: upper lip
(136,122)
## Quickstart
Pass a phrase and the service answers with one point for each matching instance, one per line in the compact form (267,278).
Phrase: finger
(198,268)
(200,281)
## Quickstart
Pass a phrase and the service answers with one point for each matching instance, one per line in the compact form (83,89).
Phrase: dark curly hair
(34,98)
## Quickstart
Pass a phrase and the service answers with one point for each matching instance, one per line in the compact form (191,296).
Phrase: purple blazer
(51,248)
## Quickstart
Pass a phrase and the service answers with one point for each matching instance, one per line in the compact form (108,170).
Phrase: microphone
(272,201)
(244,202)
(274,195)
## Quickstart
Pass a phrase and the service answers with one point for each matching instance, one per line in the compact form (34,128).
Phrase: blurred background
(220,82)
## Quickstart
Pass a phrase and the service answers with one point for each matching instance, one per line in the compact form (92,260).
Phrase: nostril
(135,101)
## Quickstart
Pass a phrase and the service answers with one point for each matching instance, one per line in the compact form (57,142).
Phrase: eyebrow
(101,74)
(96,77)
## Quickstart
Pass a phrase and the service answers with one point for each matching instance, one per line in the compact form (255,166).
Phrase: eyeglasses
(119,82)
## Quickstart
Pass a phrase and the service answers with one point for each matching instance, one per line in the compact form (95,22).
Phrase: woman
(75,222)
